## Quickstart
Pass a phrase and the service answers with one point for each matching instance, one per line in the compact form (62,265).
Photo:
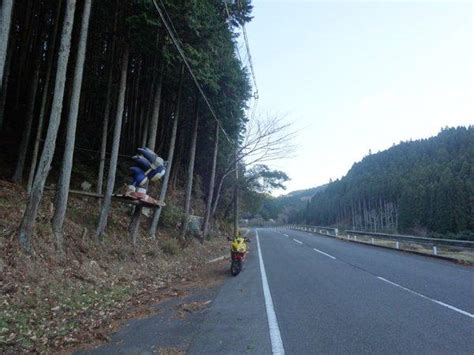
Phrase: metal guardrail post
(370,237)
(430,242)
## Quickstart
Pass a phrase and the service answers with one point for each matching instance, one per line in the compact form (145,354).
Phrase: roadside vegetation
(49,303)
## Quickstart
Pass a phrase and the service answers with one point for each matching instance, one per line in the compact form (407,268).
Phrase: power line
(186,63)
(254,108)
(169,19)
(249,59)
(228,16)
(244,31)
(247,46)
(256,94)
(240,46)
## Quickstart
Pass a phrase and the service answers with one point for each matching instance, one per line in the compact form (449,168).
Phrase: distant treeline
(423,187)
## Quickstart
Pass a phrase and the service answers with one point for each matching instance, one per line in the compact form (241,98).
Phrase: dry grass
(50,303)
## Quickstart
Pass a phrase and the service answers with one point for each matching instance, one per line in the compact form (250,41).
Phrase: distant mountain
(279,208)
(424,187)
(303,194)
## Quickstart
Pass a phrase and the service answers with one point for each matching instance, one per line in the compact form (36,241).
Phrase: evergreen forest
(85,83)
(423,187)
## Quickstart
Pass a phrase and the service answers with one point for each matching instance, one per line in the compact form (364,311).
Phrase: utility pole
(236,197)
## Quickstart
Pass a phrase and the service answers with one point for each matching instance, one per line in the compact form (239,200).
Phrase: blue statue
(149,167)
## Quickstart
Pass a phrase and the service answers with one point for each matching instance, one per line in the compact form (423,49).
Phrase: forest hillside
(86,83)
(424,187)
(279,209)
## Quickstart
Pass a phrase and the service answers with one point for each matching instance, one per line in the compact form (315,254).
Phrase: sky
(354,76)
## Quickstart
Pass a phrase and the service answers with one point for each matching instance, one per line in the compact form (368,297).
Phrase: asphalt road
(323,295)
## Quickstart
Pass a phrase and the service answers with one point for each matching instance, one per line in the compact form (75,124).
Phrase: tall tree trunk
(163,129)
(230,206)
(62,193)
(25,139)
(6,18)
(145,130)
(108,105)
(156,105)
(27,39)
(141,141)
(189,180)
(44,99)
(150,131)
(236,197)
(29,216)
(125,146)
(164,188)
(210,195)
(178,161)
(218,193)
(137,210)
(115,146)
(397,217)
(4,86)
(136,108)
(34,48)
(105,129)
(147,115)
(352,216)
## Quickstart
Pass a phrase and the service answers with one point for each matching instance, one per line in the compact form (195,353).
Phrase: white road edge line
(274,329)
(298,241)
(428,298)
(322,252)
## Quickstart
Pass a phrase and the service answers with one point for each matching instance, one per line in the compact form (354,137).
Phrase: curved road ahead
(323,295)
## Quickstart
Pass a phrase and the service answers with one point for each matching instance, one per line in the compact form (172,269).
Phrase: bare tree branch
(265,140)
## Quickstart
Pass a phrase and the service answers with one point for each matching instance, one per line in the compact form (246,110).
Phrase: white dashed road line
(455,309)
(322,252)
(428,298)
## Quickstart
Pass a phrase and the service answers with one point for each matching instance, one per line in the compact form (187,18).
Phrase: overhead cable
(247,59)
(247,46)
(228,16)
(175,39)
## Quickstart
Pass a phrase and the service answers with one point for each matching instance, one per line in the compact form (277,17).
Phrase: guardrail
(404,242)
(433,242)
(333,232)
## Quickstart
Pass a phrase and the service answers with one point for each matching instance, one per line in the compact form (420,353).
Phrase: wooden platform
(119,198)
(132,201)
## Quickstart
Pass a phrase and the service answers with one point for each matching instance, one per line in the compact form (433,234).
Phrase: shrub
(170,246)
(171,216)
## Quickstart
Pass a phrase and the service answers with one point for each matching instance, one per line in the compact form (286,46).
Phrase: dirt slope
(51,303)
